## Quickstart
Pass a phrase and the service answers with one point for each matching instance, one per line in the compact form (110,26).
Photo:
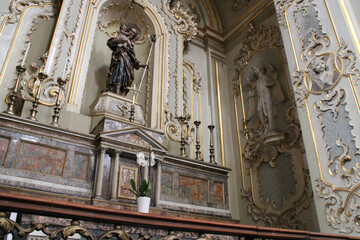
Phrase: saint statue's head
(134,32)
(257,69)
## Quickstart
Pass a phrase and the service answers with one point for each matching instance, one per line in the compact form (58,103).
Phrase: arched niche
(90,73)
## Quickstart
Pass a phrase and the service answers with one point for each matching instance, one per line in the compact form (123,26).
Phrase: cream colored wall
(4,7)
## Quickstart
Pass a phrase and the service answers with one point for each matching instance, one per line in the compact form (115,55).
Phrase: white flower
(152,159)
(141,159)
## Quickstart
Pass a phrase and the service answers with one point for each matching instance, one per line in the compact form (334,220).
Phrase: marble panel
(167,183)
(125,174)
(106,178)
(80,166)
(4,147)
(39,158)
(133,138)
(219,196)
(194,189)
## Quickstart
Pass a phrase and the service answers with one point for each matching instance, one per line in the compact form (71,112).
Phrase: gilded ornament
(113,15)
(325,68)
(184,18)
(195,76)
(18,6)
(340,187)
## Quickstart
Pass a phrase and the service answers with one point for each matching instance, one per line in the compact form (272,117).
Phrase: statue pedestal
(116,106)
(273,137)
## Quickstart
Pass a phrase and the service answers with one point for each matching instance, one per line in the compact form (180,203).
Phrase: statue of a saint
(123,60)
(264,88)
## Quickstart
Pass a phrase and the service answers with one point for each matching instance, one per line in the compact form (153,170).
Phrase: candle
(64,72)
(65,68)
(210,116)
(134,94)
(26,53)
(196,111)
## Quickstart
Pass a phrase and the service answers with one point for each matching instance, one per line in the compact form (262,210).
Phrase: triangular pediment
(133,136)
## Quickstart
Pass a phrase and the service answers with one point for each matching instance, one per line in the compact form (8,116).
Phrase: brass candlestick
(55,117)
(212,156)
(197,145)
(132,108)
(14,91)
(41,76)
(132,113)
(185,132)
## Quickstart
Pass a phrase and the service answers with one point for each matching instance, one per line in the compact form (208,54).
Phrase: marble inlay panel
(193,188)
(219,193)
(80,166)
(42,159)
(132,138)
(4,147)
(167,183)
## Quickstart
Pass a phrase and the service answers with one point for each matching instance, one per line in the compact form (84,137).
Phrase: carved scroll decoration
(185,19)
(195,76)
(269,150)
(48,91)
(283,5)
(341,186)
(9,226)
(324,69)
(114,14)
(18,6)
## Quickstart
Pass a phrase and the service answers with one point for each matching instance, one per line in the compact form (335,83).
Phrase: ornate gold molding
(18,6)
(9,226)
(184,18)
(195,76)
(340,184)
(48,91)
(325,68)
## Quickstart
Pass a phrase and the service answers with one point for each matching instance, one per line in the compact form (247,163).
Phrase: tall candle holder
(185,132)
(212,150)
(132,113)
(14,91)
(41,76)
(132,107)
(56,116)
(197,142)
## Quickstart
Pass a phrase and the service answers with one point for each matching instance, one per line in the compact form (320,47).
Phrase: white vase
(143,204)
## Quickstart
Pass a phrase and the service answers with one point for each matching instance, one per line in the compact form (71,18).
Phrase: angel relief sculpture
(322,71)
(264,91)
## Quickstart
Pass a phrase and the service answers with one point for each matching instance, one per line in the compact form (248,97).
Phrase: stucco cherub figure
(321,70)
(264,91)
